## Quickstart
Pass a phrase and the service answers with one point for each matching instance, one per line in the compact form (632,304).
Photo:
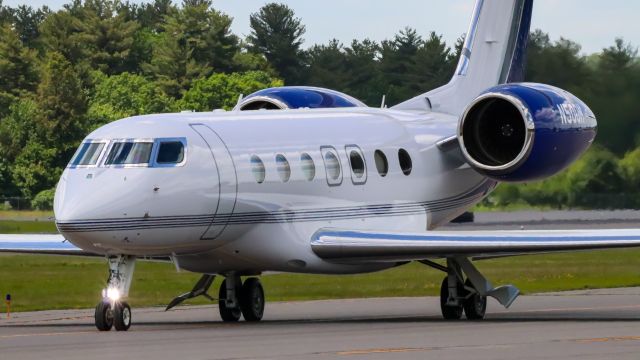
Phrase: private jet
(310,180)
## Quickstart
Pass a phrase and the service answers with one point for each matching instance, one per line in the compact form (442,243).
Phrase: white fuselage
(211,213)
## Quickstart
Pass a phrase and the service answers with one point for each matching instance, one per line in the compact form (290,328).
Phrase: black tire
(475,306)
(252,300)
(103,316)
(449,312)
(122,316)
(227,314)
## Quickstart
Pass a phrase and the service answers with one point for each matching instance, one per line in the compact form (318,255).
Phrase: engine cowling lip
(259,98)
(529,134)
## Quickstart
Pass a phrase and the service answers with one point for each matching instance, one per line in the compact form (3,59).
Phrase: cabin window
(88,154)
(382,165)
(358,165)
(257,167)
(405,161)
(129,153)
(308,167)
(170,152)
(332,165)
(284,170)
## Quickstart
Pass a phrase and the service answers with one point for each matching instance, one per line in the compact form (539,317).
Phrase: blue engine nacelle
(297,97)
(523,132)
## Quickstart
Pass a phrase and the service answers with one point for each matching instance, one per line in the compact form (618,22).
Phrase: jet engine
(525,131)
(297,97)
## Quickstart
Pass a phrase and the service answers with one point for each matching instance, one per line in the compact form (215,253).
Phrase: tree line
(64,73)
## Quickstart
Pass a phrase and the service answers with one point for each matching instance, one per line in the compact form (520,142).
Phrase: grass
(44,282)
(25,215)
(27,227)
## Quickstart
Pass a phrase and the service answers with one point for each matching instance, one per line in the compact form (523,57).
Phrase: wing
(39,244)
(366,246)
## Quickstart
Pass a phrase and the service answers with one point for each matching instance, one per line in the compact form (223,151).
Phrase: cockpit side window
(170,152)
(88,154)
(129,153)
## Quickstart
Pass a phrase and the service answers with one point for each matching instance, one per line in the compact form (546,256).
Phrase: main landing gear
(458,295)
(112,310)
(235,298)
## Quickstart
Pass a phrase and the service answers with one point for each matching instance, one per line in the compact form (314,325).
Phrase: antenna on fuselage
(239,101)
(383,105)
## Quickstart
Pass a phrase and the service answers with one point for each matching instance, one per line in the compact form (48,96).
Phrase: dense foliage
(66,72)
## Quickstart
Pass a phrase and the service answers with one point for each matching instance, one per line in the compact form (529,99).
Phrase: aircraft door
(226,179)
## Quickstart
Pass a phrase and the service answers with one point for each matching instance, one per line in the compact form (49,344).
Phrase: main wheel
(122,316)
(475,306)
(252,300)
(103,316)
(449,312)
(227,314)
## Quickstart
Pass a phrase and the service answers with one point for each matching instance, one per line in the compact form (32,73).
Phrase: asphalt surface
(598,324)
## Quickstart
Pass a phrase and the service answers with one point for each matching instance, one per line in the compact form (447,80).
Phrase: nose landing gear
(111,311)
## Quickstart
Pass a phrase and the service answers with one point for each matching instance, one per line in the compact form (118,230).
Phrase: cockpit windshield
(88,154)
(129,153)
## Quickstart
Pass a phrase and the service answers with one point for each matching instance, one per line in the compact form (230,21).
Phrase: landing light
(113,294)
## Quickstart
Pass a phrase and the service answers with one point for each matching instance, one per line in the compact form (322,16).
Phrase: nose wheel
(112,315)
(104,315)
(122,316)
(112,311)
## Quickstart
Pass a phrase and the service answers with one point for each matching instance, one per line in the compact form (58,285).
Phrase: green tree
(20,125)
(594,179)
(107,35)
(398,59)
(63,33)
(64,105)
(27,22)
(195,41)
(18,68)
(630,168)
(364,75)
(615,92)
(559,64)
(431,66)
(151,15)
(328,66)
(125,95)
(36,168)
(221,91)
(277,34)
(6,14)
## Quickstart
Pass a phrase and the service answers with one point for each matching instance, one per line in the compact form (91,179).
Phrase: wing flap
(356,245)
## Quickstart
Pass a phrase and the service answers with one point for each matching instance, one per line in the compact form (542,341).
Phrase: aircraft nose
(59,199)
(69,203)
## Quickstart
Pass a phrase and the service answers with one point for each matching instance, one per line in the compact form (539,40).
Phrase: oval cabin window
(257,167)
(405,161)
(284,170)
(357,164)
(333,166)
(308,167)
(382,165)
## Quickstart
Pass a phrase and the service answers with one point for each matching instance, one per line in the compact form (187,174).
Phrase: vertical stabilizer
(494,53)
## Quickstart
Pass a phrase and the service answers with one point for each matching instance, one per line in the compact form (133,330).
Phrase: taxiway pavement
(594,324)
